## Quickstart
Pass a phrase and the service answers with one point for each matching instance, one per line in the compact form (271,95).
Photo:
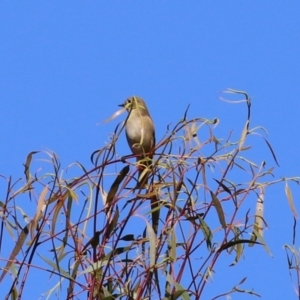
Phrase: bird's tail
(145,167)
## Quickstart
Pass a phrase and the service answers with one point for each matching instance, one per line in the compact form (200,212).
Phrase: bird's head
(135,102)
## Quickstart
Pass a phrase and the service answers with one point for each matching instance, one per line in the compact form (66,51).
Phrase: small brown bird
(140,131)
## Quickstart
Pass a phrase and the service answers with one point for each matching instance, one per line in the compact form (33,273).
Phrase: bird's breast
(139,135)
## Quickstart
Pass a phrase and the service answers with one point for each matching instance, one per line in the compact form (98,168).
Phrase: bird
(140,133)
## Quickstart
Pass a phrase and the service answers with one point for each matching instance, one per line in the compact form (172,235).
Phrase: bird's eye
(129,101)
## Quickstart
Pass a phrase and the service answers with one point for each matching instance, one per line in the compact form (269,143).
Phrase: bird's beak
(122,105)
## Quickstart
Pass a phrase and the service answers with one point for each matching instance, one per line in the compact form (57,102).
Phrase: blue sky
(66,66)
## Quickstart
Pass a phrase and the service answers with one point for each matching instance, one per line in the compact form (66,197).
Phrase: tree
(97,236)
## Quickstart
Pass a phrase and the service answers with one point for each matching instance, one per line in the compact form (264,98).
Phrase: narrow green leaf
(273,153)
(113,223)
(180,293)
(239,251)
(219,209)
(94,267)
(14,294)
(128,238)
(243,136)
(152,240)
(39,211)
(16,250)
(58,206)
(290,200)
(262,241)
(185,113)
(259,213)
(54,266)
(206,231)
(155,210)
(114,187)
(180,290)
(27,164)
(173,245)
(235,242)
(223,186)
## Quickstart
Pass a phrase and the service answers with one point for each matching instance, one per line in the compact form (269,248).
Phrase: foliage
(97,235)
